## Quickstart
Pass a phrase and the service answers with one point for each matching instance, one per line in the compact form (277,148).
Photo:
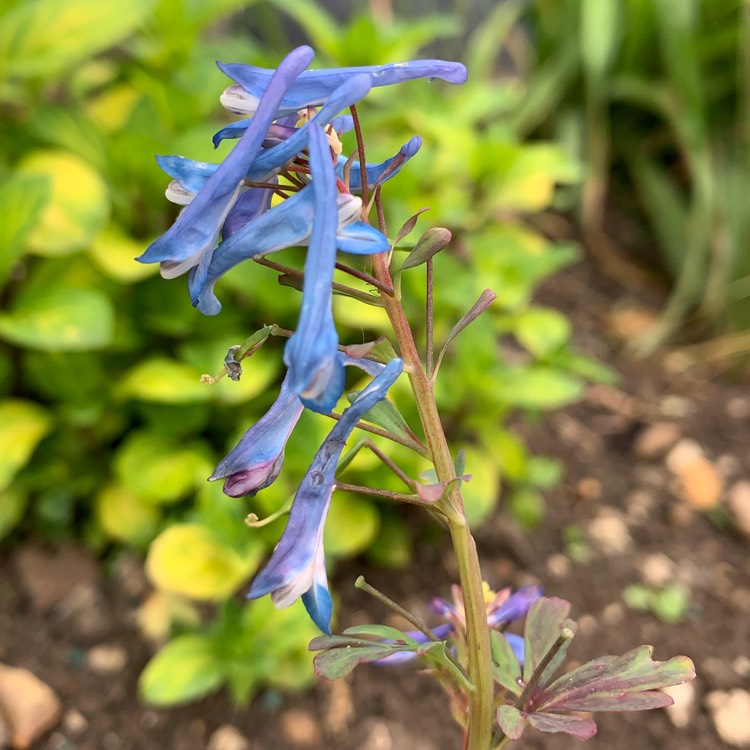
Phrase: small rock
(656,440)
(227,737)
(300,727)
(657,570)
(48,577)
(29,704)
(630,320)
(559,565)
(74,722)
(190,736)
(613,614)
(609,533)
(699,482)
(587,624)
(730,711)
(106,658)
(728,466)
(738,407)
(86,609)
(639,505)
(739,506)
(676,407)
(741,665)
(378,737)
(130,575)
(681,711)
(589,489)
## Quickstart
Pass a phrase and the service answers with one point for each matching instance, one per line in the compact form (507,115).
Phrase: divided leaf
(629,682)
(545,622)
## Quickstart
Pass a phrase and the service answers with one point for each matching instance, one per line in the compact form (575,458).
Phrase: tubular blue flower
(287,224)
(313,87)
(256,461)
(277,132)
(197,228)
(379,172)
(310,354)
(502,609)
(297,566)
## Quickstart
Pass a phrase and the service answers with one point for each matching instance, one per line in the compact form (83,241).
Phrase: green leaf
(352,525)
(12,506)
(44,37)
(22,425)
(63,319)
(481,493)
(538,388)
(542,330)
(505,667)
(78,206)
(380,632)
(630,682)
(186,668)
(335,663)
(385,414)
(527,507)
(429,244)
(22,199)
(408,226)
(547,618)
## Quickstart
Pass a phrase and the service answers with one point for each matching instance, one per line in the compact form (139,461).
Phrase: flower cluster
(284,184)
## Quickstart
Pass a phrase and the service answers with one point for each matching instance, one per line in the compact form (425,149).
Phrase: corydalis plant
(288,183)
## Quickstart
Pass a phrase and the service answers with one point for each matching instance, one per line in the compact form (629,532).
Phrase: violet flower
(297,566)
(256,461)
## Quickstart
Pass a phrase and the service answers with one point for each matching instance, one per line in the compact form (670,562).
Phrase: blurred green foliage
(653,96)
(106,431)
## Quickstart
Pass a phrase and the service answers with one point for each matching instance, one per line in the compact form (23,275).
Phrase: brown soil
(50,631)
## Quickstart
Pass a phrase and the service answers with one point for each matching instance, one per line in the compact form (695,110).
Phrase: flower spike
(297,566)
(194,233)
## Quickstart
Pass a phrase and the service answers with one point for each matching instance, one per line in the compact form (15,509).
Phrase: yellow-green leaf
(480,493)
(44,37)
(542,330)
(165,381)
(12,506)
(114,253)
(187,559)
(65,320)
(352,525)
(125,516)
(185,669)
(22,426)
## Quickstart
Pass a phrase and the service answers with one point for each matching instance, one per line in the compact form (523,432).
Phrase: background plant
(107,432)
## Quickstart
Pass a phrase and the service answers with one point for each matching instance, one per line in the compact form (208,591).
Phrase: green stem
(480,700)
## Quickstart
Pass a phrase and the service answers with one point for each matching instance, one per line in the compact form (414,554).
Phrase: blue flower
(310,354)
(297,566)
(197,228)
(255,462)
(502,609)
(313,87)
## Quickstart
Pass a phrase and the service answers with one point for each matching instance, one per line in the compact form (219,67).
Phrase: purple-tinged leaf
(617,683)
(430,493)
(335,663)
(408,226)
(505,667)
(429,244)
(578,726)
(547,618)
(511,721)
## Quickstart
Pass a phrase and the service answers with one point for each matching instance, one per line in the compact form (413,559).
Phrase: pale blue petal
(375,171)
(313,87)
(197,228)
(359,238)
